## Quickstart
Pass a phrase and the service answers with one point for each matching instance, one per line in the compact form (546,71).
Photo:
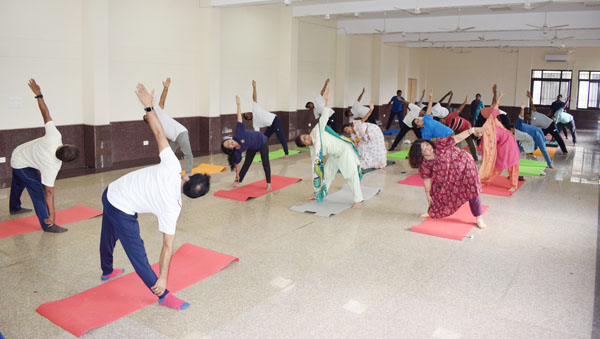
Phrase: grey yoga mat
(336,202)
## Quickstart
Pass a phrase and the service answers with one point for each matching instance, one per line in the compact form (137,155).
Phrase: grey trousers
(183,141)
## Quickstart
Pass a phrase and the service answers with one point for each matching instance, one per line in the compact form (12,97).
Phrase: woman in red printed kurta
(450,175)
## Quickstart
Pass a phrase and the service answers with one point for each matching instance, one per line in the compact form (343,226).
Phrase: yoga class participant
(438,110)
(536,134)
(500,149)
(565,120)
(261,118)
(545,123)
(413,112)
(250,142)
(397,103)
(459,125)
(369,140)
(358,111)
(319,104)
(449,174)
(341,155)
(156,189)
(558,104)
(431,128)
(476,106)
(480,119)
(175,132)
(35,165)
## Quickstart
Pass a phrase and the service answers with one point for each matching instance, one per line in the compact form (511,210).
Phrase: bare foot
(269,187)
(356,205)
(512,189)
(480,224)
(286,156)
(424,215)
(312,197)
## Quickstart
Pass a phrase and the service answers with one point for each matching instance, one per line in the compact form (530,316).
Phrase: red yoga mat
(30,224)
(456,226)
(499,186)
(256,189)
(117,298)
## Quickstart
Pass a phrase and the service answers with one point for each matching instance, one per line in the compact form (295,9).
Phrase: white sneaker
(407,142)
(543,174)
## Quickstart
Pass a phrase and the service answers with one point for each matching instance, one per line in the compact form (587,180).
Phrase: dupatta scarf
(487,171)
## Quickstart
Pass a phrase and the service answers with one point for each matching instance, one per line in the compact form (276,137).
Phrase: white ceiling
(502,21)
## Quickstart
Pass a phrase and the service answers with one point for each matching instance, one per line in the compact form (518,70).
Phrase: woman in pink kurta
(450,175)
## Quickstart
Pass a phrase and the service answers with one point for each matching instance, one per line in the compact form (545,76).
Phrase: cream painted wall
(44,47)
(470,73)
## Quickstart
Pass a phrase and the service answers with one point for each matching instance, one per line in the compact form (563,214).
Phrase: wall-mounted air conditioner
(557,57)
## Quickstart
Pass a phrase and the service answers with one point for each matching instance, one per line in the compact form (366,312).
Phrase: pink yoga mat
(30,224)
(456,226)
(117,298)
(256,189)
(498,186)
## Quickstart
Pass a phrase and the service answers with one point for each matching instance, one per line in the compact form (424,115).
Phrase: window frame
(589,80)
(559,80)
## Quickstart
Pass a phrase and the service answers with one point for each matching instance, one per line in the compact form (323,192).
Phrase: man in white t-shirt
(35,165)
(413,112)
(262,118)
(157,190)
(440,111)
(358,111)
(318,106)
(544,122)
(175,132)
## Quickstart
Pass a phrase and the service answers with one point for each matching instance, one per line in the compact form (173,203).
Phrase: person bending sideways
(35,165)
(450,175)
(261,118)
(318,106)
(369,140)
(175,132)
(157,190)
(431,128)
(536,134)
(341,155)
(249,142)
(440,110)
(565,120)
(547,125)
(459,125)
(414,112)
(500,149)
(358,111)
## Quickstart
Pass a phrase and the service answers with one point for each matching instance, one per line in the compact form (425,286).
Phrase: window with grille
(588,93)
(546,85)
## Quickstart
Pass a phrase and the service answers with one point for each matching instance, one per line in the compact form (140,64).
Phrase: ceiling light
(327,16)
(287,2)
(356,14)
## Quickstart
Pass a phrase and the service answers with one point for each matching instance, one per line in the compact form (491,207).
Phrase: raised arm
(566,103)
(35,88)
(444,97)
(361,95)
(239,109)
(462,106)
(531,106)
(497,100)
(155,126)
(254,91)
(494,90)
(450,98)
(325,86)
(522,112)
(371,108)
(163,96)
(429,104)
(465,134)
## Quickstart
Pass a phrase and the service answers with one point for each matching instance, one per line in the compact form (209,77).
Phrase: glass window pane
(593,99)
(567,74)
(584,75)
(537,90)
(537,74)
(551,74)
(565,89)
(549,92)
(582,100)
(595,75)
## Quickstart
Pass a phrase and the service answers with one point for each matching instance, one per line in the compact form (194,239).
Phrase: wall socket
(2,160)
(145,142)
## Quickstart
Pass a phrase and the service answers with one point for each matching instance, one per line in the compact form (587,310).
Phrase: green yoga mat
(389,163)
(531,167)
(274,155)
(399,155)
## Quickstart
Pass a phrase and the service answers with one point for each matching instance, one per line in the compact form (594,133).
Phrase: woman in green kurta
(341,155)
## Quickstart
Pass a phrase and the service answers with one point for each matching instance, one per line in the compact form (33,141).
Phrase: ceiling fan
(545,27)
(415,11)
(384,30)
(556,38)
(528,6)
(458,29)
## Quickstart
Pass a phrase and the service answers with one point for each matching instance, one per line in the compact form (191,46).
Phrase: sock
(173,302)
(114,274)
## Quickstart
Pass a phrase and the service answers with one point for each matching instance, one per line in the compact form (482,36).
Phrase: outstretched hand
(144,96)
(371,105)
(529,94)
(494,88)
(167,83)
(522,105)
(327,92)
(253,83)
(500,95)
(430,94)
(237,100)
(35,88)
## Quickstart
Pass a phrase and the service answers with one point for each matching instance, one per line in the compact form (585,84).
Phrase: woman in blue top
(249,141)
(431,128)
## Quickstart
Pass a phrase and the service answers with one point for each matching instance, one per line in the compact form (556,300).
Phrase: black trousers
(278,130)
(553,131)
(264,157)
(571,127)
(403,130)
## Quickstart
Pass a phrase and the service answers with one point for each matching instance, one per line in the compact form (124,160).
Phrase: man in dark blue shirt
(397,103)
(558,104)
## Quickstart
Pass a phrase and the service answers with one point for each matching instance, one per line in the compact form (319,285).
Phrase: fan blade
(558,26)
(466,29)
(534,26)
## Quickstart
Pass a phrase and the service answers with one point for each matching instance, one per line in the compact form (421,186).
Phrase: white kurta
(371,147)
(340,156)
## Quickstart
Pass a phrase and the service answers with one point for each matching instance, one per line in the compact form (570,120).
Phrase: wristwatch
(148,109)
